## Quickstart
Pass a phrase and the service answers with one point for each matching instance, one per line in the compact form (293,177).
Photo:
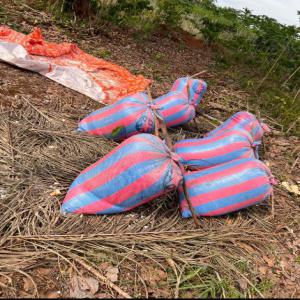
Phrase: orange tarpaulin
(68,65)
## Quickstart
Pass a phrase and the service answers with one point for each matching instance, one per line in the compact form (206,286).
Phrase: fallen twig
(37,110)
(103,278)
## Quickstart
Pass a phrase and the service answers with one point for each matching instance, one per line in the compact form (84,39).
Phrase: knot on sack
(255,144)
(175,157)
(273,180)
(153,106)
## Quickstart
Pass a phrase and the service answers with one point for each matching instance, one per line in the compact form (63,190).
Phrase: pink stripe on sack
(218,175)
(136,139)
(180,120)
(229,191)
(114,170)
(222,150)
(125,193)
(166,100)
(176,85)
(109,112)
(122,122)
(212,139)
(172,110)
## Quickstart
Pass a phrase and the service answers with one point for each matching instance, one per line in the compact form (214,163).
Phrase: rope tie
(154,107)
(255,146)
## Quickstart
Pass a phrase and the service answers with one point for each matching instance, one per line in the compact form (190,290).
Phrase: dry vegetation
(152,251)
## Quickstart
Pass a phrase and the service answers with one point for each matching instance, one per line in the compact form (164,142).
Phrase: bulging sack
(217,149)
(245,121)
(226,188)
(197,89)
(137,171)
(135,114)
(126,117)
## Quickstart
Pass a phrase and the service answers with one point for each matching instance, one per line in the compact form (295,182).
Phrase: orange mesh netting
(111,80)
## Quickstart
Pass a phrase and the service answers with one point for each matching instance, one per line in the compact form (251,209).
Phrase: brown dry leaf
(43,271)
(269,261)
(103,296)
(104,266)
(28,284)
(83,287)
(243,284)
(281,142)
(171,263)
(4,280)
(112,274)
(263,270)
(55,192)
(23,294)
(229,221)
(296,243)
(53,295)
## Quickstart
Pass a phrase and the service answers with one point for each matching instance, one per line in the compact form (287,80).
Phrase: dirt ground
(151,251)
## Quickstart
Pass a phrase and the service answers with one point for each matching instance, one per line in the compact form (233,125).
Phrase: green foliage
(240,38)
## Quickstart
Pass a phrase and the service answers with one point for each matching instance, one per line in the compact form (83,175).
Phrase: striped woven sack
(245,121)
(137,171)
(197,89)
(126,117)
(135,114)
(226,188)
(214,150)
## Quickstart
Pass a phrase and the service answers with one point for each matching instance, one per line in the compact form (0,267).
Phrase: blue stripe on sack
(173,102)
(207,162)
(133,98)
(137,198)
(182,84)
(122,152)
(113,185)
(119,102)
(220,143)
(216,169)
(256,130)
(239,126)
(189,115)
(196,98)
(204,89)
(132,128)
(224,202)
(109,120)
(226,181)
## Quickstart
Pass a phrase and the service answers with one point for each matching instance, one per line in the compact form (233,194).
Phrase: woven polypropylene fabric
(226,188)
(137,171)
(216,149)
(245,121)
(135,114)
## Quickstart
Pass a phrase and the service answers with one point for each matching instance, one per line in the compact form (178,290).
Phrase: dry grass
(40,152)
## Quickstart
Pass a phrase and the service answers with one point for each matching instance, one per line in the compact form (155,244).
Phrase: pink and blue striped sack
(197,89)
(126,117)
(243,120)
(226,188)
(217,149)
(135,114)
(137,171)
